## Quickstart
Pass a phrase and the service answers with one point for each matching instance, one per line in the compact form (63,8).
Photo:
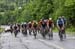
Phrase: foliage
(35,10)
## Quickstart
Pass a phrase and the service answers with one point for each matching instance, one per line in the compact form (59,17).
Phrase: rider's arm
(48,24)
(58,25)
(52,24)
(63,24)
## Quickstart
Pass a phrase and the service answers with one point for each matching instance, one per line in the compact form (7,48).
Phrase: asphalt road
(8,41)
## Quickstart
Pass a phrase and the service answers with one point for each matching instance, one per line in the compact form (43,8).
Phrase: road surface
(8,41)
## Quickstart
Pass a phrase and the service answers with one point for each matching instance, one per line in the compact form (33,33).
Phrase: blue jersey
(60,22)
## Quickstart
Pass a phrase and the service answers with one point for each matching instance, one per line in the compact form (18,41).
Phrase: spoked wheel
(24,33)
(35,33)
(30,31)
(61,35)
(50,34)
(15,32)
(44,34)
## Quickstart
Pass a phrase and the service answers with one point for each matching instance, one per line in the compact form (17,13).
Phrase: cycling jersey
(15,27)
(50,23)
(44,24)
(35,25)
(30,25)
(25,25)
(60,23)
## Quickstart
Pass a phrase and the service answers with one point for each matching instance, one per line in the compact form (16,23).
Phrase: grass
(55,30)
(1,30)
(71,30)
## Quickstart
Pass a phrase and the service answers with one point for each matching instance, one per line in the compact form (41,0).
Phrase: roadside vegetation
(17,11)
(1,30)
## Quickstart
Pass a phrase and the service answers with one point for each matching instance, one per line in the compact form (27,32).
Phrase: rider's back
(60,22)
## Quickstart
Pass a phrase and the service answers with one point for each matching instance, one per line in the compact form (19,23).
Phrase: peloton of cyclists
(44,27)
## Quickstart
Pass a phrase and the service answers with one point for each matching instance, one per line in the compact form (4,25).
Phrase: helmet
(62,16)
(29,22)
(50,18)
(24,22)
(59,17)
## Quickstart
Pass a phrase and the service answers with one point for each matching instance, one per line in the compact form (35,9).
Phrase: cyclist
(44,27)
(15,30)
(30,27)
(35,25)
(60,26)
(11,28)
(64,19)
(39,26)
(24,29)
(50,26)
(18,25)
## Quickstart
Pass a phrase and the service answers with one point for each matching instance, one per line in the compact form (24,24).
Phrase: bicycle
(35,33)
(43,32)
(50,33)
(61,34)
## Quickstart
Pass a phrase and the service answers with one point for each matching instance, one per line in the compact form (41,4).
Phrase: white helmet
(29,22)
(50,18)
(24,22)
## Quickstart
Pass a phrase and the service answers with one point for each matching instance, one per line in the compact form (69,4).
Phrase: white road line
(52,44)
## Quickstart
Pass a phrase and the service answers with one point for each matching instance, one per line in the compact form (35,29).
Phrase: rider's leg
(16,32)
(64,33)
(51,34)
(43,32)
(34,33)
(29,31)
